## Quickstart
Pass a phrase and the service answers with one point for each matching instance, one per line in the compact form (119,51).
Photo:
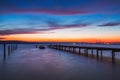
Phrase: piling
(113,57)
(4,47)
(101,54)
(97,53)
(16,46)
(79,50)
(11,48)
(8,50)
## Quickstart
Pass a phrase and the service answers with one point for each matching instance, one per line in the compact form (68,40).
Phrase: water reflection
(29,63)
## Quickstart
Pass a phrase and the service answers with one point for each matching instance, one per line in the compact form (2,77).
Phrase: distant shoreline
(24,42)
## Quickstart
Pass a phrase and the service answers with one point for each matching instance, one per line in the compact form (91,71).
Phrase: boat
(41,47)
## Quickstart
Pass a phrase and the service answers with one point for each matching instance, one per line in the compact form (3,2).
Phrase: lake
(30,63)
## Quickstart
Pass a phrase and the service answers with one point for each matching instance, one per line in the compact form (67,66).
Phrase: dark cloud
(24,31)
(52,26)
(34,27)
(75,24)
(17,31)
(60,7)
(110,24)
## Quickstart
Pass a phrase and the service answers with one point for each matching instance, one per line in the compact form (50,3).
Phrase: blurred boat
(41,47)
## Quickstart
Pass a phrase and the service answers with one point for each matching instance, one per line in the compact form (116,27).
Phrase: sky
(60,20)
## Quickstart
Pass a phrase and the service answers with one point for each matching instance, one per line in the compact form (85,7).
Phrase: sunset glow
(60,20)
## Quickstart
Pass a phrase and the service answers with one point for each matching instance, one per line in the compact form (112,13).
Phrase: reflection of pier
(8,48)
(99,50)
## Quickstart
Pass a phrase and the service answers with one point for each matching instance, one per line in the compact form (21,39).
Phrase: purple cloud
(17,31)
(57,25)
(52,26)
(60,7)
(110,24)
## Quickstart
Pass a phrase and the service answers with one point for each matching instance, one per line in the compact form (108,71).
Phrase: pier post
(58,47)
(36,46)
(101,55)
(113,56)
(65,48)
(97,54)
(79,51)
(69,49)
(4,47)
(16,46)
(8,50)
(85,52)
(92,52)
(73,49)
(62,48)
(11,48)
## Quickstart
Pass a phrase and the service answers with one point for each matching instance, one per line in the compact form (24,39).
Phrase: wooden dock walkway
(99,50)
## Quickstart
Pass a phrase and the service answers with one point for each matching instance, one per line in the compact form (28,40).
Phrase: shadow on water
(30,63)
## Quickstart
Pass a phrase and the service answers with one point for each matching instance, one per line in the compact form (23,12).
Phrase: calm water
(29,63)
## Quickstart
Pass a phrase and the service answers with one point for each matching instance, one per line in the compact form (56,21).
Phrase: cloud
(17,31)
(110,24)
(59,7)
(2,38)
(34,27)
(52,26)
(24,31)
(2,26)
(75,24)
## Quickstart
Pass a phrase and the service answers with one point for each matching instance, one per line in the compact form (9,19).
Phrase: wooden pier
(99,50)
(8,48)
